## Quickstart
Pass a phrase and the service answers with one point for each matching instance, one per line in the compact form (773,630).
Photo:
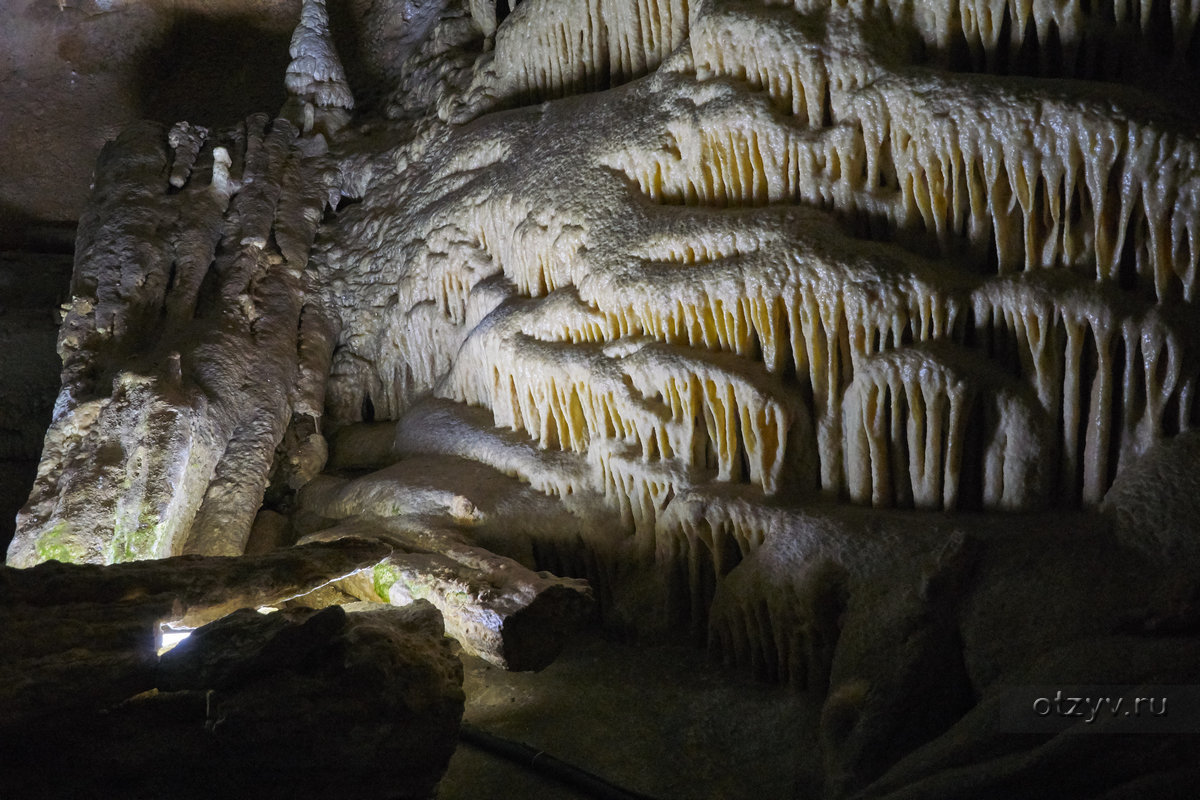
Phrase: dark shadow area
(656,719)
(16,480)
(21,231)
(1157,59)
(503,9)
(32,287)
(364,74)
(373,41)
(213,72)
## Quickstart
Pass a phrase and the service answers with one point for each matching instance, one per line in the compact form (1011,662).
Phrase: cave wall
(799,329)
(78,71)
(906,257)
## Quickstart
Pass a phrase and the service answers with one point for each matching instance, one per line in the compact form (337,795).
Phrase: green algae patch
(136,543)
(53,545)
(384,576)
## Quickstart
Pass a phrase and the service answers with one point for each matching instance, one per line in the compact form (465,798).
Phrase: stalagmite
(161,446)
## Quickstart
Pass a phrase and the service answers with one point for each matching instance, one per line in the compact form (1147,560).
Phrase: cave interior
(600,398)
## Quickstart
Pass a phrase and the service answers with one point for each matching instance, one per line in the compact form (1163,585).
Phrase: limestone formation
(797,326)
(320,98)
(184,345)
(496,608)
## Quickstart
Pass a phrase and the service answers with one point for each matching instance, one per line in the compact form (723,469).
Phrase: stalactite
(545,50)
(682,300)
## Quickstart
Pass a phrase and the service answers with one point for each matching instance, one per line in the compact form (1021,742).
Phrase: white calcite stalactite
(548,50)
(908,420)
(583,298)
(320,99)
(668,312)
(817,331)
(798,256)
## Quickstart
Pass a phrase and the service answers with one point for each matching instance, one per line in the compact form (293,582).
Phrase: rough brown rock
(183,347)
(291,703)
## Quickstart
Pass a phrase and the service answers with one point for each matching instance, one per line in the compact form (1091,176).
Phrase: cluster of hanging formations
(881,253)
(922,254)
(550,50)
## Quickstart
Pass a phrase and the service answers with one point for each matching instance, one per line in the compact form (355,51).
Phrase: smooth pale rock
(1155,502)
(990,748)
(497,609)
(458,529)
(913,628)
(193,589)
(513,617)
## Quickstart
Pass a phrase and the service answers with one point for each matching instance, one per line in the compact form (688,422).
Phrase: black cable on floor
(541,762)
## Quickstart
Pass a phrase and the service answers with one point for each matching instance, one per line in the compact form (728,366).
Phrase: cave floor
(661,721)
